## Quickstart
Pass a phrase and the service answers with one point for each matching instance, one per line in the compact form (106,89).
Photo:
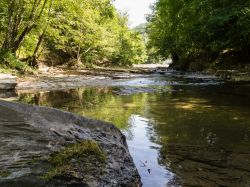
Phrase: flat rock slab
(233,75)
(7,82)
(30,134)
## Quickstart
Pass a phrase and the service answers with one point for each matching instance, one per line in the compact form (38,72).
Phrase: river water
(184,130)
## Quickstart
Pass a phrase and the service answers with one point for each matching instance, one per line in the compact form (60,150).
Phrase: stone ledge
(7,82)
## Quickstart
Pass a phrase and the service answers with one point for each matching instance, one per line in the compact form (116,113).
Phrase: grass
(84,158)
(11,64)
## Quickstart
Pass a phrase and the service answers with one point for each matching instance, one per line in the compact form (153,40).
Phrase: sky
(136,9)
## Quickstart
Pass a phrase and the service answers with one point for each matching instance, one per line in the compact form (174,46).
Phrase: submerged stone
(206,166)
(40,146)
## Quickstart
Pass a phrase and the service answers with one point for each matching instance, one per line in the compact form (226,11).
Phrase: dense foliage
(201,33)
(77,32)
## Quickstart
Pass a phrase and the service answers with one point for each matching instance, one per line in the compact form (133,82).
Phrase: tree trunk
(14,36)
(7,39)
(175,56)
(41,37)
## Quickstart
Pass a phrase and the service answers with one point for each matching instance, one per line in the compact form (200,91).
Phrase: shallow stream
(184,130)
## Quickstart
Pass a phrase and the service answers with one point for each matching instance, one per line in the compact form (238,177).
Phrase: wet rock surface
(29,135)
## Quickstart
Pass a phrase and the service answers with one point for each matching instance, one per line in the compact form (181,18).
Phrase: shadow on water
(7,94)
(178,134)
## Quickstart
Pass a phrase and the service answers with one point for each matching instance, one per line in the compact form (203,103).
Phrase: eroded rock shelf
(30,136)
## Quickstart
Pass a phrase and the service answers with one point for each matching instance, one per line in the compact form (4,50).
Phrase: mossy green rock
(81,159)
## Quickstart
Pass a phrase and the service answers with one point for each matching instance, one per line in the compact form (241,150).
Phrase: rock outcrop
(33,139)
(7,82)
(233,75)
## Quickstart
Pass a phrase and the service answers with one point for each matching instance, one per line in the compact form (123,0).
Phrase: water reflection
(145,153)
(201,134)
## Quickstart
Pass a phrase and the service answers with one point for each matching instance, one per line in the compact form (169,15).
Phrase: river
(182,130)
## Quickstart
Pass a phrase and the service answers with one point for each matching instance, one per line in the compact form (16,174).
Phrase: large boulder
(7,82)
(40,146)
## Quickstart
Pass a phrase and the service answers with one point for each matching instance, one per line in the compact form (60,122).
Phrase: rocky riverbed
(40,146)
(207,166)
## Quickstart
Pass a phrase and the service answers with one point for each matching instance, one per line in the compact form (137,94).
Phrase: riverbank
(59,78)
(228,70)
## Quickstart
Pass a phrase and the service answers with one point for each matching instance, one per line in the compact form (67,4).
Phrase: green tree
(200,31)
(19,18)
(80,32)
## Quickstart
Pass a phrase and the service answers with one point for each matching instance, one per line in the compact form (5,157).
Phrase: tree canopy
(201,32)
(77,32)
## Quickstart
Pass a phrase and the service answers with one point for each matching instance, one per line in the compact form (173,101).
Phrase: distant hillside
(142,30)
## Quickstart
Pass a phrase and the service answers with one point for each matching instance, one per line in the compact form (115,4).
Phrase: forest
(72,32)
(196,34)
(201,34)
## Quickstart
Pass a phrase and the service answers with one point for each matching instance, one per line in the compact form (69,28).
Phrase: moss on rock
(81,159)
(4,174)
